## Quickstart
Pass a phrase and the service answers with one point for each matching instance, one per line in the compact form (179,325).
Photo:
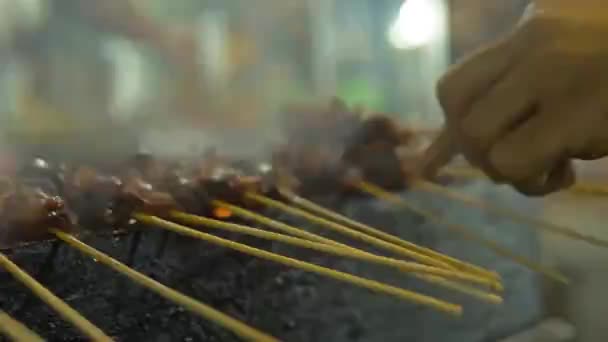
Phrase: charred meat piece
(379,128)
(324,144)
(148,167)
(185,190)
(379,164)
(373,150)
(28,213)
(136,195)
(91,195)
(43,174)
(228,185)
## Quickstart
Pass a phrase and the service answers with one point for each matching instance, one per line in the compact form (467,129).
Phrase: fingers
(463,83)
(470,78)
(560,177)
(540,144)
(437,155)
(509,102)
(522,108)
(458,89)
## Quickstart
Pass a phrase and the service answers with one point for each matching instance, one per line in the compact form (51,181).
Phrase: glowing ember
(222,213)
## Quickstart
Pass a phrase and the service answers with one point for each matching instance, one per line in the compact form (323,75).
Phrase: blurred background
(135,67)
(102,77)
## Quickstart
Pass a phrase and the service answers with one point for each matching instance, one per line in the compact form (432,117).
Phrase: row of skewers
(63,202)
(37,203)
(37,208)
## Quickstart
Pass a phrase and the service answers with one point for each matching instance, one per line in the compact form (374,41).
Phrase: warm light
(222,213)
(418,23)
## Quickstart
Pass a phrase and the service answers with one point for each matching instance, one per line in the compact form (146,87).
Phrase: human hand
(524,107)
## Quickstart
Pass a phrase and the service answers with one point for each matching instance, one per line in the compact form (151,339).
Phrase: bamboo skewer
(459,287)
(189,303)
(348,231)
(488,297)
(474,292)
(16,331)
(582,188)
(404,266)
(61,307)
(342,276)
(243,213)
(309,205)
(462,231)
(509,213)
(276,225)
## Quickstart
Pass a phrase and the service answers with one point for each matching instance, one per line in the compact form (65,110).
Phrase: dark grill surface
(289,304)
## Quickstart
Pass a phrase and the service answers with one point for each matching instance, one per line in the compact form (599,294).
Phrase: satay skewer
(369,284)
(508,213)
(405,266)
(205,311)
(456,286)
(437,280)
(17,331)
(268,202)
(280,226)
(579,187)
(311,206)
(462,231)
(61,307)
(423,258)
(276,225)
(462,288)
(283,227)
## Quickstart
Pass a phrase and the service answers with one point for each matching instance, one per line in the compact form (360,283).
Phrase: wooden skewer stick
(463,288)
(309,205)
(456,286)
(61,307)
(16,331)
(509,213)
(280,226)
(205,311)
(276,225)
(582,188)
(373,285)
(404,266)
(350,232)
(463,231)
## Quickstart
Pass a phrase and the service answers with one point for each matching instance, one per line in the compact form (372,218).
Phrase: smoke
(181,142)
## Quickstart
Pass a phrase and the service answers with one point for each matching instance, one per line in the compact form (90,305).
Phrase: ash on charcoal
(123,309)
(522,306)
